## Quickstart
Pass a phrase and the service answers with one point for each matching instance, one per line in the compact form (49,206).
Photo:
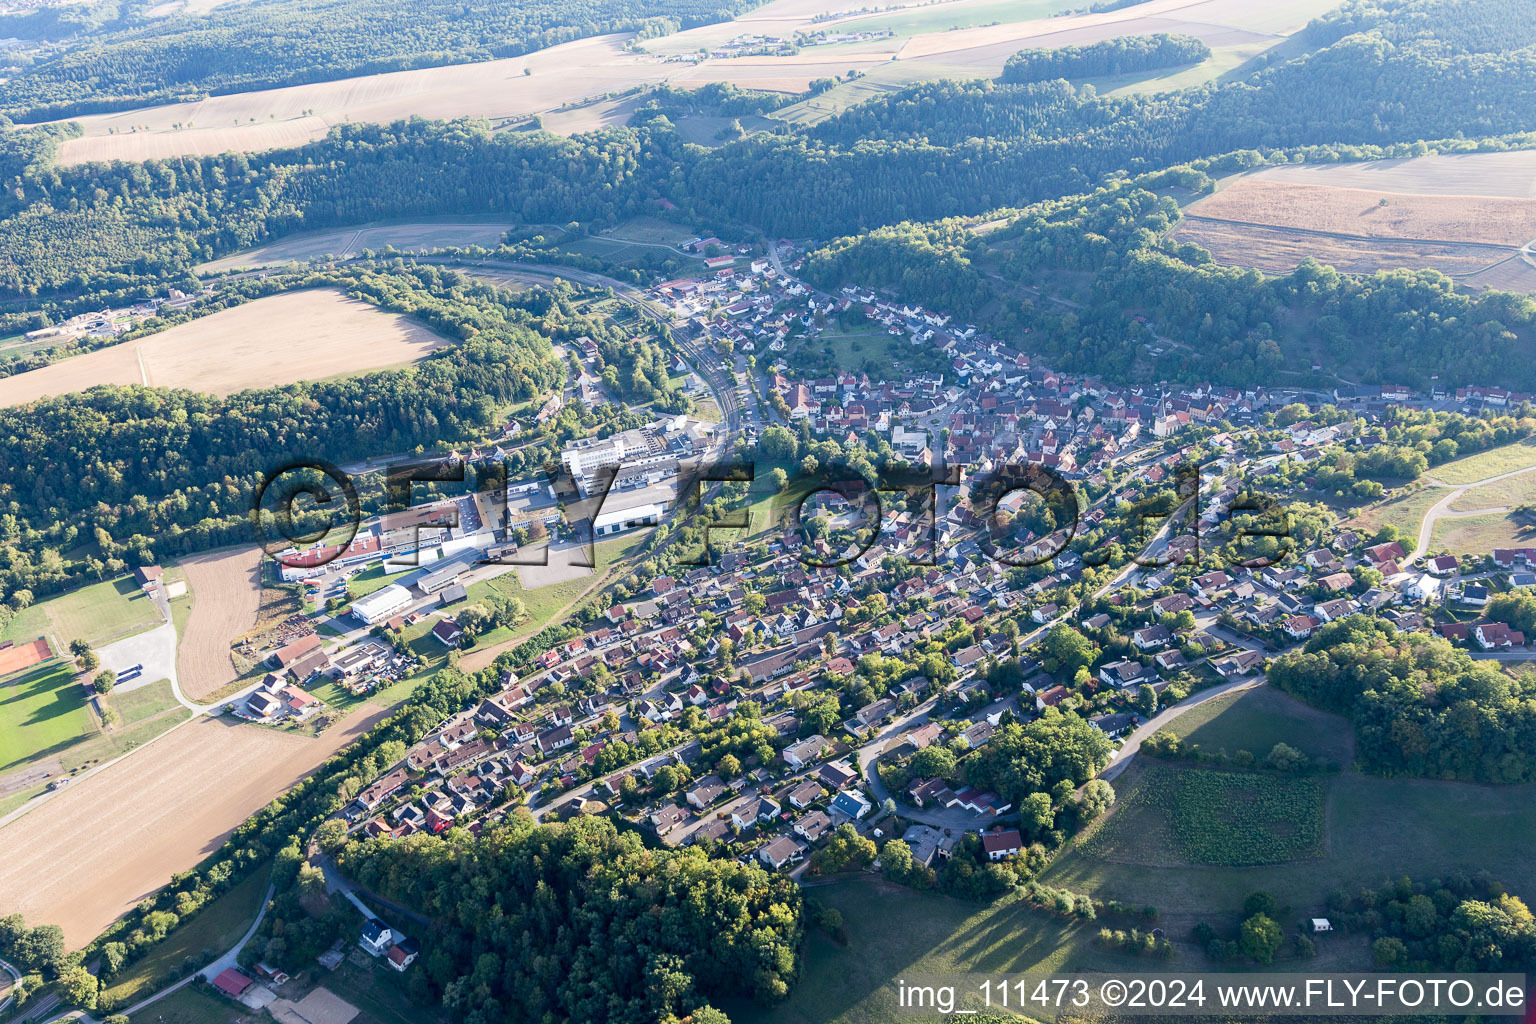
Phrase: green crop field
(41,712)
(1138,853)
(1434,827)
(1177,814)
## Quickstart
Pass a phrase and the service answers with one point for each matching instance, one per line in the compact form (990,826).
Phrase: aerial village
(768,704)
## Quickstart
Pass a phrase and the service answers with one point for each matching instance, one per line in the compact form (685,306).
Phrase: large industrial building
(384,603)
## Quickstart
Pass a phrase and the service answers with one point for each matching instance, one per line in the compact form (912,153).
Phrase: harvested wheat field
(1274,218)
(84,857)
(1456,174)
(226,597)
(280,339)
(1278,250)
(275,118)
(558,77)
(1369,213)
(1217,22)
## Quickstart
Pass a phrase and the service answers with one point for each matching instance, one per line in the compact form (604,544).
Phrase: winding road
(1442,508)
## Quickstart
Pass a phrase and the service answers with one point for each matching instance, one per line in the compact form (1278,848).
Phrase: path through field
(1442,508)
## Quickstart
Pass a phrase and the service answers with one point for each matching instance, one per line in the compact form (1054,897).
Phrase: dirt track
(226,594)
(84,857)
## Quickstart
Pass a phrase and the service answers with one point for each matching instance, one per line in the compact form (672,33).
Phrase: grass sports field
(41,712)
(97,614)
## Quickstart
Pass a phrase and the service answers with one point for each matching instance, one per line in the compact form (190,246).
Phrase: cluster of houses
(661,655)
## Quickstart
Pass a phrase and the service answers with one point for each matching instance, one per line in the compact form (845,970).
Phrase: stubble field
(1467,215)
(280,339)
(226,590)
(1369,213)
(560,81)
(407,237)
(84,857)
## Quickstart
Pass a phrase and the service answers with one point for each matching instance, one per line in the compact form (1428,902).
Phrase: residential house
(1000,843)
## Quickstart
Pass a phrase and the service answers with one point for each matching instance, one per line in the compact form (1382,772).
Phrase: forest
(1451,924)
(154,471)
(581,921)
(1419,706)
(81,237)
(1133,287)
(78,238)
(263,44)
(948,148)
(1119,56)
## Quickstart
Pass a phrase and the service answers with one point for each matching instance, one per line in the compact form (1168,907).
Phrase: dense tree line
(73,238)
(1133,285)
(638,370)
(52,22)
(146,472)
(1455,924)
(1419,706)
(579,921)
(944,148)
(267,43)
(1038,766)
(714,99)
(1119,56)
